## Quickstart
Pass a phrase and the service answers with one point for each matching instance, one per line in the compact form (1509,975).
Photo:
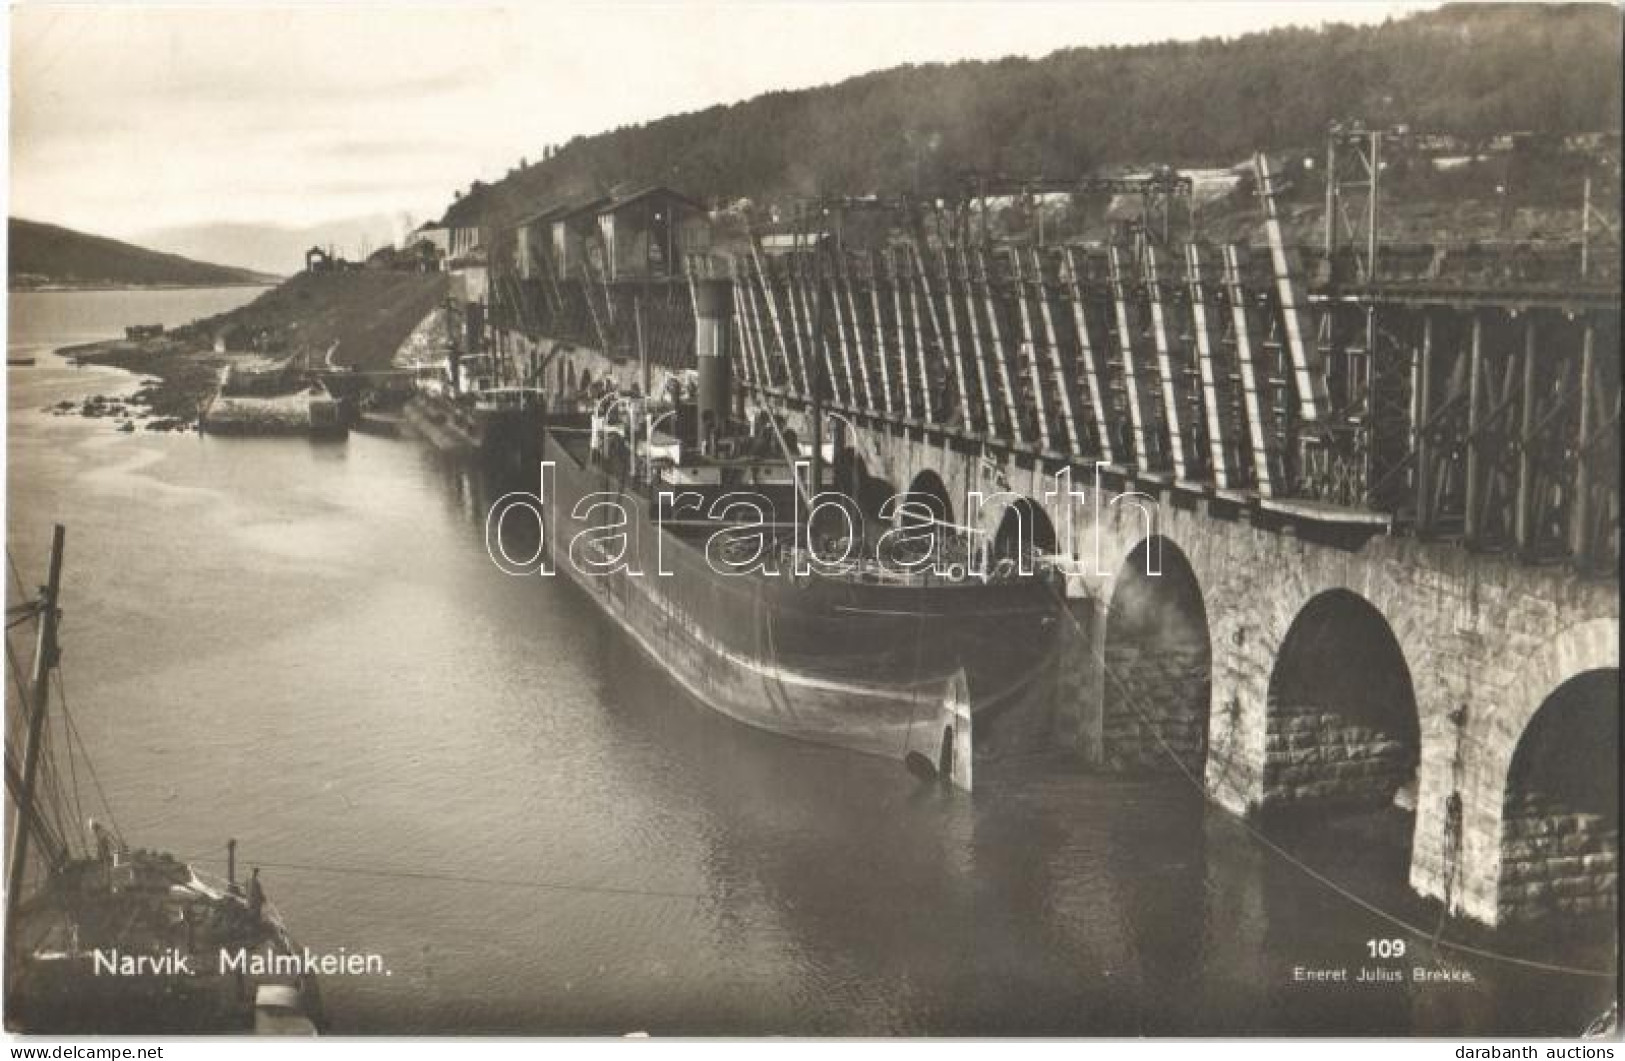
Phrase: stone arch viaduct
(1381,525)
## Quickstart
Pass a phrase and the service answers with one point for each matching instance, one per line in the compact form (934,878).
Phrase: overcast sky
(130,118)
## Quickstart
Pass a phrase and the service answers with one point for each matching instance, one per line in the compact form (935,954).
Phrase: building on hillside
(536,248)
(428,243)
(576,241)
(318,260)
(647,232)
(467,222)
(561,239)
(471,276)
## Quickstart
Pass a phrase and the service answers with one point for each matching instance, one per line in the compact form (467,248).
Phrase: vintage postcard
(727,519)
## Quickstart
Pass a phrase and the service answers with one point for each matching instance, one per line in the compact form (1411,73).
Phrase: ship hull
(887,670)
(501,439)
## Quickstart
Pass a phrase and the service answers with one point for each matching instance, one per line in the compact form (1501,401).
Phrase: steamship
(876,657)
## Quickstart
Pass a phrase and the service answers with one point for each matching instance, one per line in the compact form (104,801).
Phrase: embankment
(358,319)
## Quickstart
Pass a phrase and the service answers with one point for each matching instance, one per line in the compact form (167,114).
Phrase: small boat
(461,405)
(20,362)
(103,938)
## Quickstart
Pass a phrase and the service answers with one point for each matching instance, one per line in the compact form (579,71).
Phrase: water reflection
(481,777)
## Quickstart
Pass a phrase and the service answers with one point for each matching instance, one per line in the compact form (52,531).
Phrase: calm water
(305,646)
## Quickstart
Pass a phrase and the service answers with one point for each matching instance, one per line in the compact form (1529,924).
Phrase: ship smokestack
(713,315)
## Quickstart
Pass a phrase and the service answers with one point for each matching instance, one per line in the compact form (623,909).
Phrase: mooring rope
(393,873)
(90,764)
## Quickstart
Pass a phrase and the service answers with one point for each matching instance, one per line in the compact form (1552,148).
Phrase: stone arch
(1342,729)
(1585,646)
(1559,840)
(1024,529)
(1158,663)
(853,478)
(928,490)
(869,494)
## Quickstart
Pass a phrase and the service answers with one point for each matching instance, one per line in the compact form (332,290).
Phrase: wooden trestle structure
(1484,416)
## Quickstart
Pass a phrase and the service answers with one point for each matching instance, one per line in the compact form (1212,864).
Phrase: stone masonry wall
(1311,755)
(1556,861)
(1158,690)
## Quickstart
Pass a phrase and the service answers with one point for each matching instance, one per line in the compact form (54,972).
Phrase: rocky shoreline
(179,379)
(348,320)
(126,412)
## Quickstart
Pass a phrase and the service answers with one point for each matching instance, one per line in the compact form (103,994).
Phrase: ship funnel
(713,317)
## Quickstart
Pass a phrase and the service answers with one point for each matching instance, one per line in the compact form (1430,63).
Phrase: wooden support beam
(750,370)
(1030,350)
(1141,421)
(926,399)
(1308,366)
(1500,485)
(892,275)
(1421,416)
(1268,479)
(811,287)
(764,343)
(1064,385)
(792,377)
(810,345)
(1181,435)
(604,345)
(792,300)
(1475,441)
(974,348)
(1580,512)
(1221,444)
(759,341)
(1001,360)
(1523,514)
(879,331)
(852,354)
(747,358)
(1091,360)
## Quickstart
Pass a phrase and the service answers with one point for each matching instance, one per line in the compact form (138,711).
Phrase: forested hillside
(1470,70)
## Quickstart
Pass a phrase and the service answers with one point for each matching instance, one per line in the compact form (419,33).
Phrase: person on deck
(104,842)
(256,895)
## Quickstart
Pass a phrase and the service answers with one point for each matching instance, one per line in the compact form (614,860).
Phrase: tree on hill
(1469,69)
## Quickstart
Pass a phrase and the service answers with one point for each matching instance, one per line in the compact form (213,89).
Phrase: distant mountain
(44,255)
(272,248)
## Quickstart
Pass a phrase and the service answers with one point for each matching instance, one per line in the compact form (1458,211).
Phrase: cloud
(285,115)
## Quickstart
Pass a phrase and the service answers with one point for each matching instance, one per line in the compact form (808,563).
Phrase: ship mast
(45,657)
